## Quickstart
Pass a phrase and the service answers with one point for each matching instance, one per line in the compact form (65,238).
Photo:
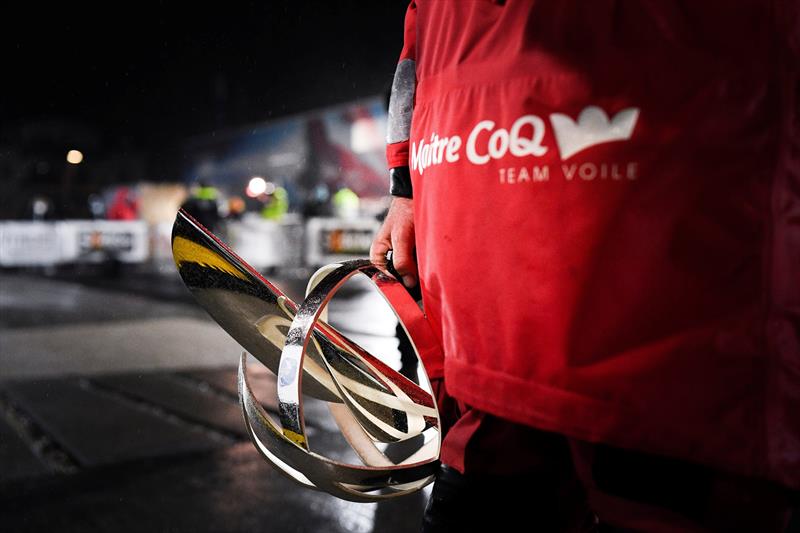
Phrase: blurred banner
(260,242)
(329,240)
(30,244)
(74,241)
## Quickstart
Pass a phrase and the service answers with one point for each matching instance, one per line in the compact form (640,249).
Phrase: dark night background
(130,82)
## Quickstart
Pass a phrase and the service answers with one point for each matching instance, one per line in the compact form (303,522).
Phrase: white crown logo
(593,127)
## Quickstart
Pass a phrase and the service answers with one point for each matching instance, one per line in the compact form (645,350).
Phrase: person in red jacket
(124,206)
(600,202)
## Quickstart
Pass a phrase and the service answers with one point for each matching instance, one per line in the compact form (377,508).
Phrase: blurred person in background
(346,203)
(203,205)
(276,204)
(236,208)
(600,203)
(318,202)
(97,206)
(40,208)
(124,205)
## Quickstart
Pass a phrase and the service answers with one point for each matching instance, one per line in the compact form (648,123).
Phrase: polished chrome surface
(371,402)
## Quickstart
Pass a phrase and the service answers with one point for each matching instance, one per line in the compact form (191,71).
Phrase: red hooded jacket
(607,212)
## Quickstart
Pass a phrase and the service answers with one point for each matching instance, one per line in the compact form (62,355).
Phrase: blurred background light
(256,187)
(74,157)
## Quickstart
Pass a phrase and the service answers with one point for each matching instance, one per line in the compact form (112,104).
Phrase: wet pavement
(226,490)
(119,411)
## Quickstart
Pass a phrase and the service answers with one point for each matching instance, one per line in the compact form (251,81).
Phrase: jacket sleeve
(401,101)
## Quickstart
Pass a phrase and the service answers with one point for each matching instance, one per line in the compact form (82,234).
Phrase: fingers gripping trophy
(372,404)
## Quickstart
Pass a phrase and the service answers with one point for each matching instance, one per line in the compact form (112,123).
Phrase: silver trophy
(371,403)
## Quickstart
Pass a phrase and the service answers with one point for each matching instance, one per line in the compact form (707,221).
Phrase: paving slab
(187,400)
(17,460)
(99,429)
(263,382)
(264,385)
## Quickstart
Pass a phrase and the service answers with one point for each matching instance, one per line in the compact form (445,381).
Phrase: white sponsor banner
(50,243)
(98,240)
(329,240)
(258,241)
(29,244)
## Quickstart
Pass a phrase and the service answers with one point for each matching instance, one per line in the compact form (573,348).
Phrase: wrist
(400,182)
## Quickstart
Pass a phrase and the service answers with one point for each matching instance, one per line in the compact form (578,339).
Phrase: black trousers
(574,486)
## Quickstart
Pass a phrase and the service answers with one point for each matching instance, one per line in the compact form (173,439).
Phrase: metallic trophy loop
(371,403)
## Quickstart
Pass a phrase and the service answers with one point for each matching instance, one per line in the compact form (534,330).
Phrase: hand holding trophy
(371,403)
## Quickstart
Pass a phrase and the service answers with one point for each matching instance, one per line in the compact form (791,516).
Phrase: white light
(74,157)
(256,187)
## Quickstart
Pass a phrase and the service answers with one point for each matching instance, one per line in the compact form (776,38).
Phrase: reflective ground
(118,412)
